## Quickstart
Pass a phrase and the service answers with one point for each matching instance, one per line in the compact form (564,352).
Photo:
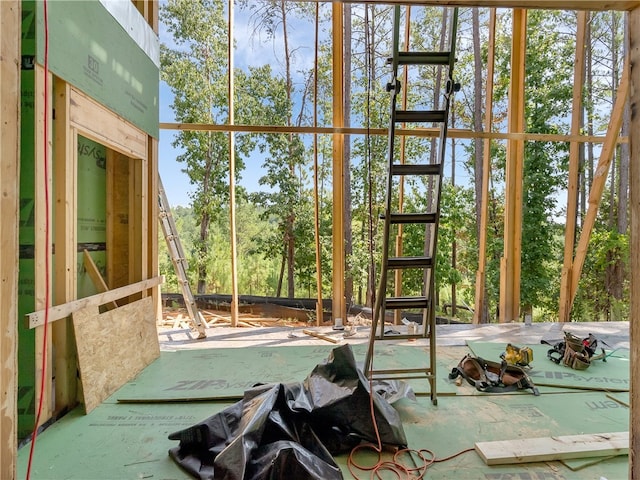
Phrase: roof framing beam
(593,5)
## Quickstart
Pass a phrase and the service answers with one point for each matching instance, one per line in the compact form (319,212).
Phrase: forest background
(275,220)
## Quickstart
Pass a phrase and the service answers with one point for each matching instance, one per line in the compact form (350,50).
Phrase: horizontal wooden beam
(528,4)
(417,132)
(546,449)
(58,312)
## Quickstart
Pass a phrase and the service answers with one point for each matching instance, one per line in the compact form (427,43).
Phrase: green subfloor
(126,437)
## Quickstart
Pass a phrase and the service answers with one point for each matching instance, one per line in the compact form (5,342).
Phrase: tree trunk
(477,143)
(289,236)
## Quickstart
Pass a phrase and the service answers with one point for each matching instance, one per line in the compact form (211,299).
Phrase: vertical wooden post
(510,262)
(316,200)
(153,266)
(574,164)
(232,182)
(634,206)
(43,253)
(481,275)
(65,273)
(338,304)
(10,21)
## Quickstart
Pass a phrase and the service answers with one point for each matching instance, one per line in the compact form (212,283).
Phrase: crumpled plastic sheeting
(291,431)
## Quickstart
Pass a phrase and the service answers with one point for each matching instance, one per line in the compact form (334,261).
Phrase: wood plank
(320,336)
(43,239)
(530,4)
(102,125)
(9,207)
(574,170)
(338,305)
(96,277)
(634,232)
(57,312)
(113,347)
(65,270)
(457,133)
(510,262)
(545,449)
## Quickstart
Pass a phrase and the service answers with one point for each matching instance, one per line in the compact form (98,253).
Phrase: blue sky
(250,49)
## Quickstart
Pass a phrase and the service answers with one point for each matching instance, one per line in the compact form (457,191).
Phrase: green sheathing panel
(26,282)
(225,373)
(130,441)
(89,49)
(92,214)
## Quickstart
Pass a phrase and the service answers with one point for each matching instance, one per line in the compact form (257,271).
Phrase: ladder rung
(416,169)
(397,303)
(424,58)
(409,262)
(416,116)
(404,218)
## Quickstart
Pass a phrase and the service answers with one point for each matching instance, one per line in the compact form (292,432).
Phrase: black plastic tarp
(291,431)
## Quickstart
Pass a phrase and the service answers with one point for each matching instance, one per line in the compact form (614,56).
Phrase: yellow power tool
(521,356)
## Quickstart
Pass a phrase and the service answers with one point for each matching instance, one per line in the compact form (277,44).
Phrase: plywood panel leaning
(113,347)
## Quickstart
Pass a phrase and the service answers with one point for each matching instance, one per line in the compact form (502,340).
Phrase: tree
(286,151)
(193,69)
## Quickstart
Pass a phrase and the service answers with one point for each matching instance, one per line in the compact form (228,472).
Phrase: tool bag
(492,377)
(575,352)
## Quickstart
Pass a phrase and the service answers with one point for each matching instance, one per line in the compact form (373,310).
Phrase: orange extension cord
(43,375)
(425,457)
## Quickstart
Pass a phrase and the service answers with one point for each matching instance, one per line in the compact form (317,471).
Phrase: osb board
(113,347)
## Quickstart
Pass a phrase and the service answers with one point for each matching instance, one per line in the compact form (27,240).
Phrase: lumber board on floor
(544,449)
(113,347)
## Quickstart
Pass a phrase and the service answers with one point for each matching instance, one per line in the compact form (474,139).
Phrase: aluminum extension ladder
(178,259)
(430,171)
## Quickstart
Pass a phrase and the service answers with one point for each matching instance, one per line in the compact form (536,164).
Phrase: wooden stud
(96,278)
(316,199)
(510,262)
(153,267)
(339,304)
(10,22)
(634,207)
(65,170)
(43,238)
(574,164)
(232,179)
(481,275)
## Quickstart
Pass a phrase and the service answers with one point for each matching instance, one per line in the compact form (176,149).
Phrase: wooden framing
(634,206)
(481,275)
(339,308)
(574,159)
(10,20)
(137,154)
(510,262)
